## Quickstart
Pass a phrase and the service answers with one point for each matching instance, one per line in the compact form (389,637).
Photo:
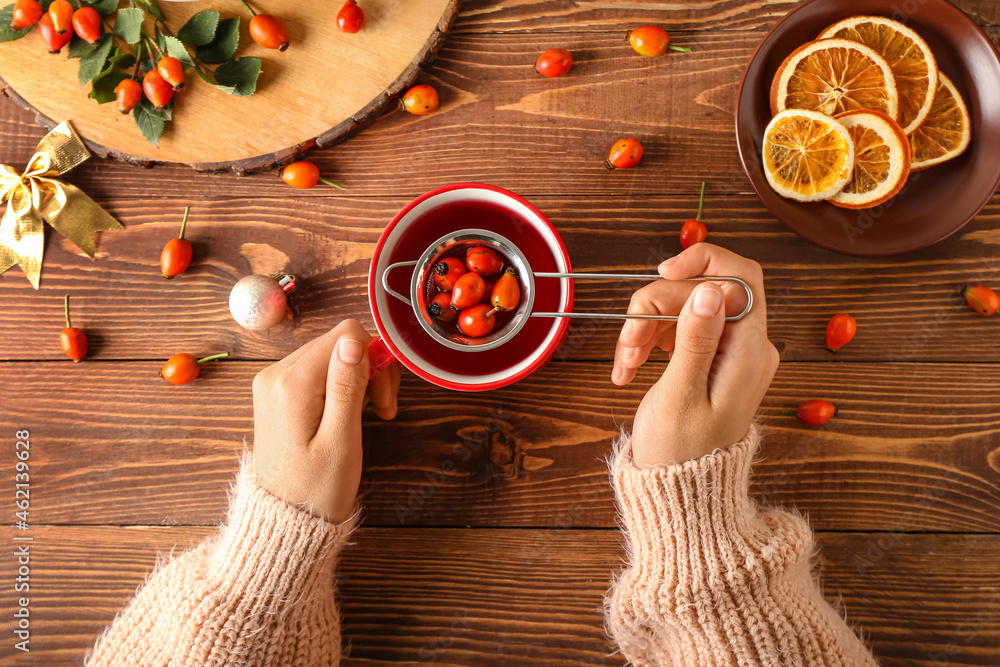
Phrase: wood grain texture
(909,308)
(518,597)
(489,16)
(334,82)
(913,448)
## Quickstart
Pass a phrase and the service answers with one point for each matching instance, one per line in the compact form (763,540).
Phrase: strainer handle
(639,276)
(385,280)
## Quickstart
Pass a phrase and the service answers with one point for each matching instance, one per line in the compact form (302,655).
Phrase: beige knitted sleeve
(712,579)
(261,592)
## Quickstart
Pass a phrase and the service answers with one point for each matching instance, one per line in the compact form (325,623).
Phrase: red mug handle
(379,357)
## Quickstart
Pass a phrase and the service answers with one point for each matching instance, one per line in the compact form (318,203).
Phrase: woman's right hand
(718,371)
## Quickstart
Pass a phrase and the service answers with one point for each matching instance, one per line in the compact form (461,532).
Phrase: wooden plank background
(903,487)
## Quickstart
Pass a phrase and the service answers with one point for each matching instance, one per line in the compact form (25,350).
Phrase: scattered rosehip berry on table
(129,93)
(267,31)
(72,339)
(62,15)
(172,71)
(468,291)
(157,90)
(176,255)
(447,272)
(420,100)
(183,368)
(695,231)
(814,413)
(839,331)
(350,18)
(87,24)
(52,39)
(441,308)
(982,299)
(483,261)
(26,14)
(506,293)
(554,63)
(624,154)
(651,41)
(475,321)
(304,175)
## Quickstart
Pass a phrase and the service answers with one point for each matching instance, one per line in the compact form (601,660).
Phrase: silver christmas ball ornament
(258,302)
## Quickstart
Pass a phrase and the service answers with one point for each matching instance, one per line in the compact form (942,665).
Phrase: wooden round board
(325,87)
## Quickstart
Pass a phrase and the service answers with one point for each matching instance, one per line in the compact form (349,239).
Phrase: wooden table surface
(489,535)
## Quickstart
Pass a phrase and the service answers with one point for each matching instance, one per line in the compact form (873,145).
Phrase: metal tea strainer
(468,238)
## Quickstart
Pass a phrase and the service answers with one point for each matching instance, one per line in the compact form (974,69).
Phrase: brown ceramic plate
(936,202)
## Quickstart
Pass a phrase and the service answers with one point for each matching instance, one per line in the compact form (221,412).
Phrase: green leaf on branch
(222,48)
(105,7)
(229,90)
(150,121)
(103,87)
(128,24)
(200,28)
(79,48)
(93,63)
(175,47)
(241,74)
(8,34)
(152,8)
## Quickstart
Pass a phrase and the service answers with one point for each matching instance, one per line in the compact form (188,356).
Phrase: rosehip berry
(26,14)
(172,71)
(982,299)
(468,290)
(350,18)
(157,90)
(624,154)
(441,308)
(72,340)
(839,331)
(816,412)
(87,24)
(420,100)
(506,294)
(475,321)
(129,92)
(695,231)
(52,39)
(304,175)
(651,41)
(176,255)
(62,16)
(447,272)
(183,368)
(554,63)
(483,261)
(267,31)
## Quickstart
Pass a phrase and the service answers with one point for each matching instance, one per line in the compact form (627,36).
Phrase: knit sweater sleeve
(259,592)
(714,580)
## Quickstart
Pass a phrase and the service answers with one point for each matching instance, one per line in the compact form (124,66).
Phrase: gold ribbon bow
(35,197)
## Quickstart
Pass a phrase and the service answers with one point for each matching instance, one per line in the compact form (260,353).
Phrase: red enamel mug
(398,270)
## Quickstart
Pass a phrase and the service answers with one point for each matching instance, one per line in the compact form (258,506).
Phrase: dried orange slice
(808,156)
(833,76)
(908,55)
(881,160)
(946,132)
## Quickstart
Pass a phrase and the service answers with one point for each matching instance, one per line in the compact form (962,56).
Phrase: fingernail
(669,261)
(350,351)
(707,302)
(616,373)
(627,329)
